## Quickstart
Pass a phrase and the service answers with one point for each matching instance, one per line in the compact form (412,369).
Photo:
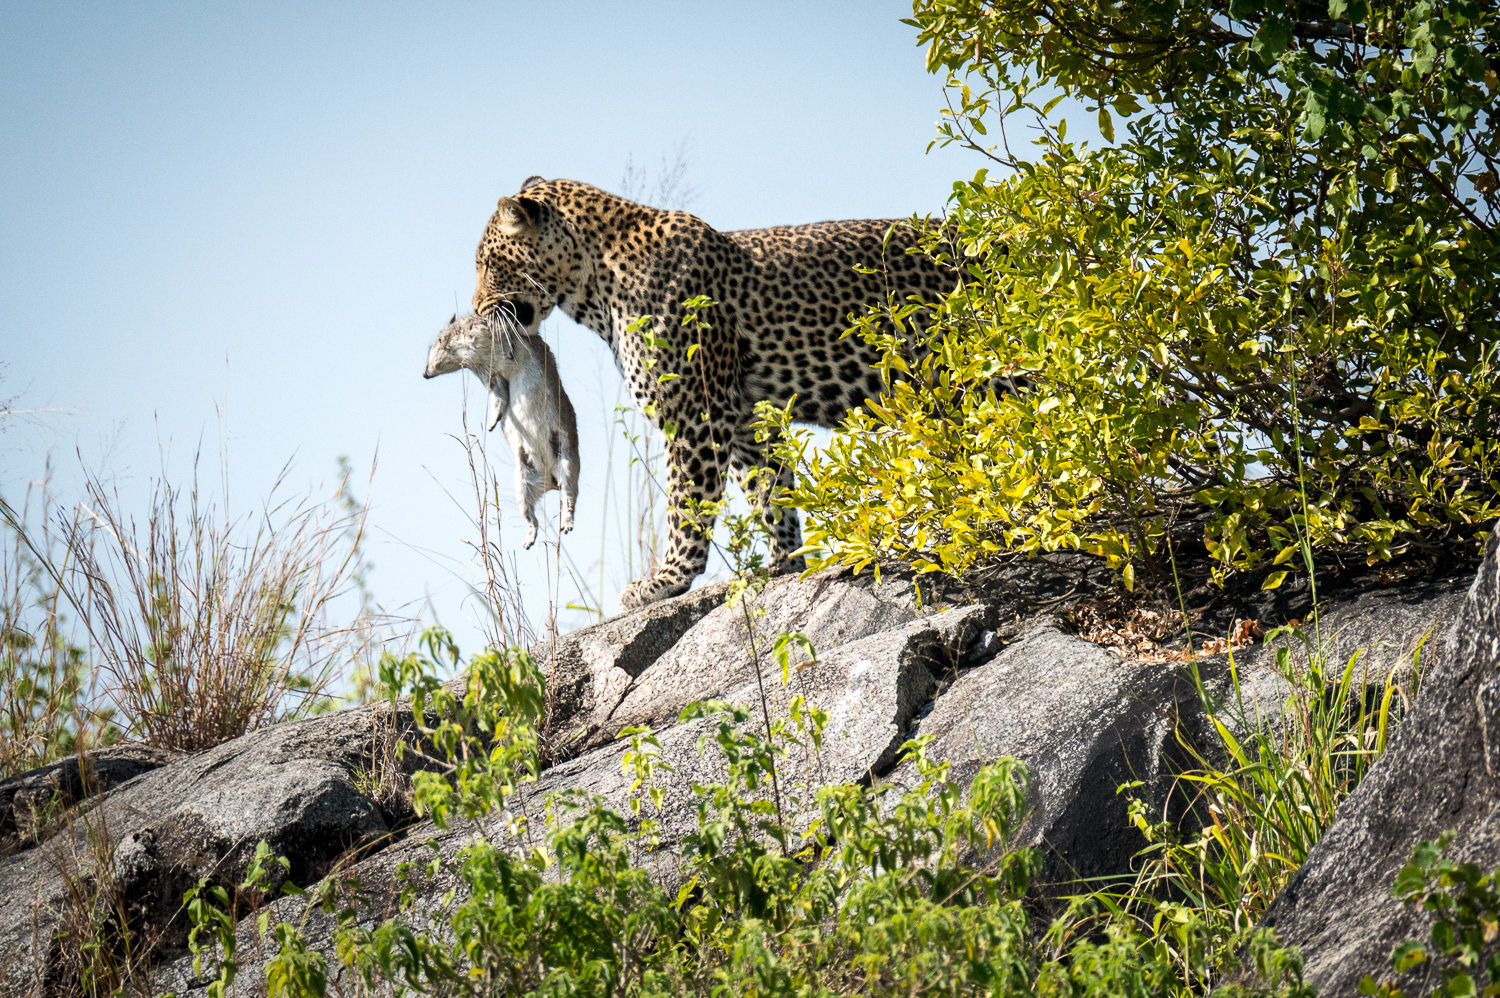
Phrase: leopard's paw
(644,592)
(636,595)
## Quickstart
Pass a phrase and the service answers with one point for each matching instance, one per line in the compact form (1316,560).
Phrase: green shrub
(872,896)
(1465,903)
(1276,280)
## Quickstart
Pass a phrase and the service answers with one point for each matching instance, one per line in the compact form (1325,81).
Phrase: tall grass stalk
(383,627)
(645,497)
(506,623)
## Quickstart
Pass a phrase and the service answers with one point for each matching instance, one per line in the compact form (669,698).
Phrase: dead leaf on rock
(1139,633)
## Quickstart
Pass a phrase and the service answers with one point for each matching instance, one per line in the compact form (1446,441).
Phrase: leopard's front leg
(693,478)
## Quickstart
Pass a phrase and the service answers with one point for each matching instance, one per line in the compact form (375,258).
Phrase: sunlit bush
(1271,295)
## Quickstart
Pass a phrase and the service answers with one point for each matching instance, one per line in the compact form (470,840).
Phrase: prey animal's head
(472,341)
(480,344)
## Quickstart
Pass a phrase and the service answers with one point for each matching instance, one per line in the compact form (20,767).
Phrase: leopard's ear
(531,181)
(519,216)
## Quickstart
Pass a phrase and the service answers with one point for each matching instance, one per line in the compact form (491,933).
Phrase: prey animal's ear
(519,215)
(453,318)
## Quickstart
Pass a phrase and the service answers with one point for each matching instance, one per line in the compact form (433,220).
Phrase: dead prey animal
(525,394)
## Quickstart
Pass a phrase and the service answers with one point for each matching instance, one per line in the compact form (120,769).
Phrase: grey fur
(525,394)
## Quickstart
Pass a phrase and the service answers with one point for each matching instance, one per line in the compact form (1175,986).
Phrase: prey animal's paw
(530,538)
(566,526)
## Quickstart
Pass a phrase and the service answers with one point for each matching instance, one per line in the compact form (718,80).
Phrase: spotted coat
(784,294)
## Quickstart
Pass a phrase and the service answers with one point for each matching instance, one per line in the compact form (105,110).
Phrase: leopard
(766,310)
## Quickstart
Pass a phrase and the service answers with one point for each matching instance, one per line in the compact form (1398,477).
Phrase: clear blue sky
(268,211)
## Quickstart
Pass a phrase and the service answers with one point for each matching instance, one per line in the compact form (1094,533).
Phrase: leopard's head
(528,261)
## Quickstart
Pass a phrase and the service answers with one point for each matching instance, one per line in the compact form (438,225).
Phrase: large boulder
(132,852)
(591,669)
(700,647)
(716,655)
(32,802)
(1440,772)
(1084,722)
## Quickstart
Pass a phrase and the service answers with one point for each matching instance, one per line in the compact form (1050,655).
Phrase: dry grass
(645,499)
(99,947)
(506,624)
(47,684)
(206,625)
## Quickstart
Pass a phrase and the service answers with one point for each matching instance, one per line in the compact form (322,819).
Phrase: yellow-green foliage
(1261,291)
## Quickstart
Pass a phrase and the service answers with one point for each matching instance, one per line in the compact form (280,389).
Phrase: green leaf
(781,650)
(1422,40)
(1274,580)
(1106,125)
(1317,121)
(1245,10)
(1349,11)
(1461,985)
(1408,955)
(1273,38)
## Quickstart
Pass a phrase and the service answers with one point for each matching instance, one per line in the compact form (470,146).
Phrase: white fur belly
(530,426)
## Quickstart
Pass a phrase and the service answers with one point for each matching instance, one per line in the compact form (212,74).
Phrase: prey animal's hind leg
(528,491)
(499,401)
(565,474)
